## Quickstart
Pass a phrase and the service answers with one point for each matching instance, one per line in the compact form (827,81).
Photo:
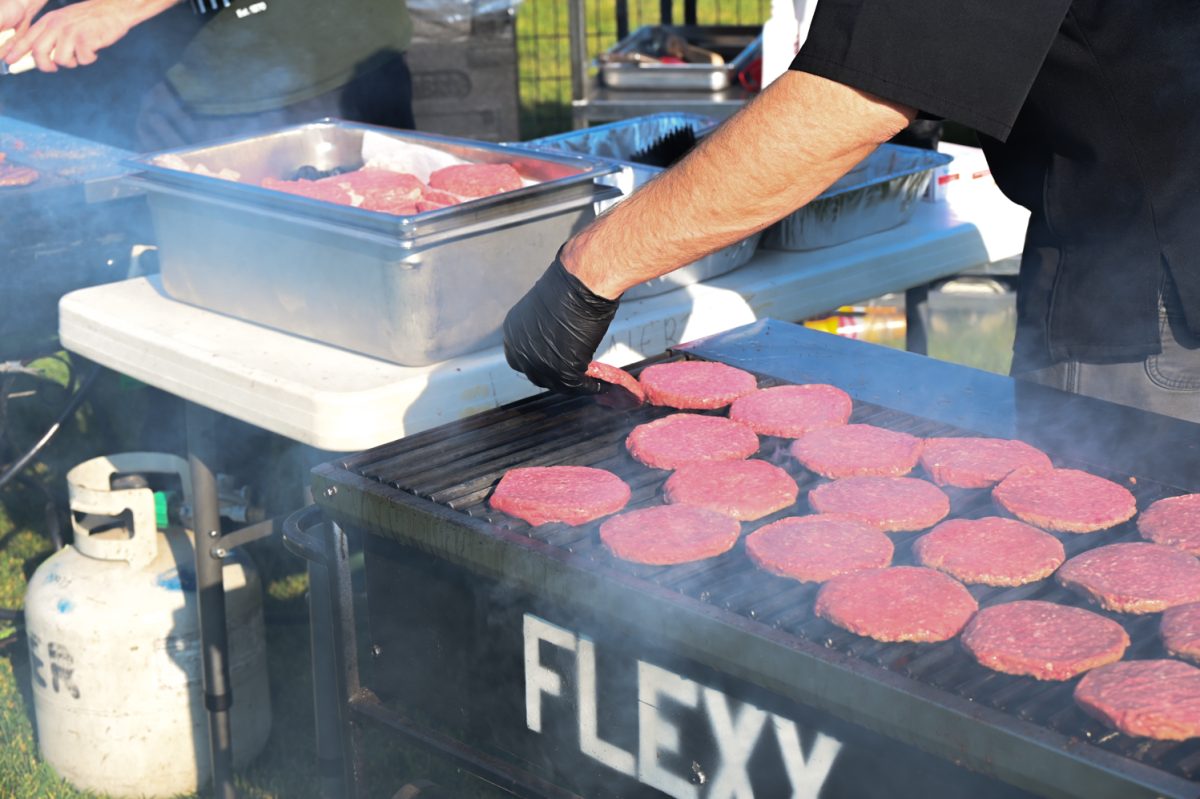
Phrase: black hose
(13,614)
(73,405)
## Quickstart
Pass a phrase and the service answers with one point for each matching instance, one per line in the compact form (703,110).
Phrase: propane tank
(114,642)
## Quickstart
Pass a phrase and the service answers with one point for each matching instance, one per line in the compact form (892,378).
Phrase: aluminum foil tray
(617,142)
(412,289)
(739,45)
(879,194)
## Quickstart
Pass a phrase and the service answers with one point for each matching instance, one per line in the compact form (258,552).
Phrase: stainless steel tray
(739,45)
(617,141)
(879,194)
(413,289)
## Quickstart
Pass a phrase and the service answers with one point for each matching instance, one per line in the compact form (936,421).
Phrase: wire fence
(543,44)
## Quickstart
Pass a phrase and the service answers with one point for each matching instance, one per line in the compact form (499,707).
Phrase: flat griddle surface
(66,164)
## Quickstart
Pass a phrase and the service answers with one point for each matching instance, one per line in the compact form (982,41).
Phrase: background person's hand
(17,15)
(552,333)
(71,36)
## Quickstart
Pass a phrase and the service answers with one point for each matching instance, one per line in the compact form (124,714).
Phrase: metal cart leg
(334,649)
(577,22)
(346,651)
(916,304)
(326,704)
(210,589)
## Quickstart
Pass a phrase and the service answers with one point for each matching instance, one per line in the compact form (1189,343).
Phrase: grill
(74,227)
(452,584)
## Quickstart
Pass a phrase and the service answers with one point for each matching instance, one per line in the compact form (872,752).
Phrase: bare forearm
(783,149)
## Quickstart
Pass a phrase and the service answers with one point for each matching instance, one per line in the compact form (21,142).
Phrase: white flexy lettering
(736,739)
(807,774)
(539,679)
(655,733)
(590,741)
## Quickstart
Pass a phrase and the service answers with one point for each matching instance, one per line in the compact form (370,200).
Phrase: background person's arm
(786,147)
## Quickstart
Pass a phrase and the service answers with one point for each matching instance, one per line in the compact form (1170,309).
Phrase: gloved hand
(553,332)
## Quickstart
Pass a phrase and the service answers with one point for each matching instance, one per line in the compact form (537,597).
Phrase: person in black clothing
(1088,112)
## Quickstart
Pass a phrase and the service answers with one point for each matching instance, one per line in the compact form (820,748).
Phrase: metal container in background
(879,194)
(739,45)
(409,289)
(618,142)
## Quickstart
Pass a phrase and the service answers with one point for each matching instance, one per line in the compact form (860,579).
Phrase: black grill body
(507,640)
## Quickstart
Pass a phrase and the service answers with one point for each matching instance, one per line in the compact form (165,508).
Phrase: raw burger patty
(668,534)
(672,441)
(745,490)
(891,504)
(12,175)
(616,376)
(1145,698)
(978,462)
(1181,631)
(1174,521)
(991,551)
(813,549)
(695,384)
(902,603)
(1134,578)
(1043,640)
(476,180)
(792,411)
(571,494)
(1067,500)
(857,450)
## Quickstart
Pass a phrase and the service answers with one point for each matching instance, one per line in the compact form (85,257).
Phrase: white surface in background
(341,401)
(399,156)
(384,152)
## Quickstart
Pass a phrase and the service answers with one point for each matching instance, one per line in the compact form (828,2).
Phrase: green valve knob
(160,509)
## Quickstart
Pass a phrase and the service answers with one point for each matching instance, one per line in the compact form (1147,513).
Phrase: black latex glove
(553,332)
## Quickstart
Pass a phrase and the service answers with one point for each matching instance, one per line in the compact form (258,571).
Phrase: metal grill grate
(458,465)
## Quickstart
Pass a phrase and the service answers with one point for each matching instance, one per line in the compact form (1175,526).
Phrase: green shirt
(260,55)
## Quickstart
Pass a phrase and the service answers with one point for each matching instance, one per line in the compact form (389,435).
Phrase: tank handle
(89,487)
